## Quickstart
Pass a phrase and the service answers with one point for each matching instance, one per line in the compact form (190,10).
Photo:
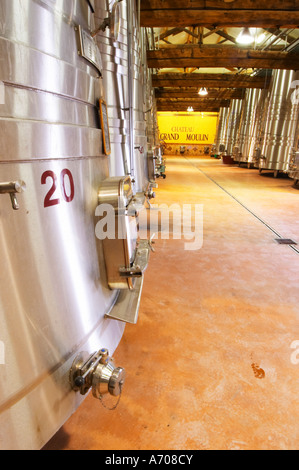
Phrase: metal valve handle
(12,188)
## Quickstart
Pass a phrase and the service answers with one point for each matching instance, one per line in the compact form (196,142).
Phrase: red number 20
(49,200)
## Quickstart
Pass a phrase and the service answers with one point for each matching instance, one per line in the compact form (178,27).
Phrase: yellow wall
(187,128)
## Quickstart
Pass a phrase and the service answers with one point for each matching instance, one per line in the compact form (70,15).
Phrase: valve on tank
(97,372)
(236,152)
(221,148)
(294,160)
(13,188)
(150,193)
(160,162)
(257,154)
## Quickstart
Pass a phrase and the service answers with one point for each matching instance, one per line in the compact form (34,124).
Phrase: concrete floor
(209,364)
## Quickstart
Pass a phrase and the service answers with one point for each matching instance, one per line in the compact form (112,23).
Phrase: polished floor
(210,363)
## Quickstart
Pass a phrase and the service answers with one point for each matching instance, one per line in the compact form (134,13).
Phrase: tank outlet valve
(150,194)
(139,148)
(13,188)
(97,372)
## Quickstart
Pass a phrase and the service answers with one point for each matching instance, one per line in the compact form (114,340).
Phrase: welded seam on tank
(47,92)
(243,205)
(50,159)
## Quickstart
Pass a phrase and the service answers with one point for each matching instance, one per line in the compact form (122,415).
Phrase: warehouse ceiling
(197,44)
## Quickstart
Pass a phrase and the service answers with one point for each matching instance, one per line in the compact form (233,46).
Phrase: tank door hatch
(126,256)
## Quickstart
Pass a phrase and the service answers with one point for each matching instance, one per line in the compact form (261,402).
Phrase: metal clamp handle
(141,260)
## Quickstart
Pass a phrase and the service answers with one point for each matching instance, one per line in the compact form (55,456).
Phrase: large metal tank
(152,128)
(233,125)
(259,121)
(140,75)
(293,170)
(281,123)
(122,46)
(56,305)
(112,41)
(220,140)
(250,127)
(246,122)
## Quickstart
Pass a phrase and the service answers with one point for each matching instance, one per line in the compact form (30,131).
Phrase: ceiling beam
(286,37)
(239,13)
(209,80)
(170,32)
(189,93)
(223,34)
(214,103)
(180,108)
(286,5)
(185,56)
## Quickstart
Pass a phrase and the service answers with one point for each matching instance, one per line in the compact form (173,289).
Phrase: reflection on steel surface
(125,78)
(55,299)
(281,123)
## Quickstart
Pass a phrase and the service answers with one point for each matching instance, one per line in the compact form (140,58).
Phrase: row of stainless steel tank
(74,99)
(262,129)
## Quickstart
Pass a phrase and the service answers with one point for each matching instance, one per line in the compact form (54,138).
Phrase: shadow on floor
(59,441)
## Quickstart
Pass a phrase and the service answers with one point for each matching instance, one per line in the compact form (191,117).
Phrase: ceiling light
(245,37)
(203,92)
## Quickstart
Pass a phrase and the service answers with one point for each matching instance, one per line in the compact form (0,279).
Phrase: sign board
(89,49)
(187,128)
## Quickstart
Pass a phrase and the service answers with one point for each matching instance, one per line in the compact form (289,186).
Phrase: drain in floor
(285,241)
